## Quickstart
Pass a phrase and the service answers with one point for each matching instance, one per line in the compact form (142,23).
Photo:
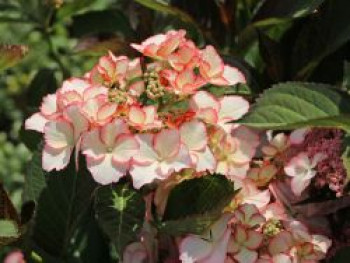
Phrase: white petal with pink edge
(143,174)
(194,135)
(233,75)
(36,122)
(55,159)
(167,143)
(232,108)
(92,145)
(126,146)
(103,171)
(59,134)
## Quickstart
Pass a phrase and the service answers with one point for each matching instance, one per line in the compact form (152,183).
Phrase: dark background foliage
(271,41)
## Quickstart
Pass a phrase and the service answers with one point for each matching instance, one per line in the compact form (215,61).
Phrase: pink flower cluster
(159,122)
(122,115)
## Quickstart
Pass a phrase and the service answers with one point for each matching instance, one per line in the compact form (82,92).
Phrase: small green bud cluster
(272,227)
(154,89)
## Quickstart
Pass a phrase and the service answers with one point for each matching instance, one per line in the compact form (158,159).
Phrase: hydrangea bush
(166,126)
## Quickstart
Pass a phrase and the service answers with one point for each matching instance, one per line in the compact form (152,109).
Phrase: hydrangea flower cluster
(123,115)
(154,119)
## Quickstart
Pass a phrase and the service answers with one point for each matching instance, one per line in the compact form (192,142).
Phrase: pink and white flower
(161,46)
(244,244)
(235,152)
(214,71)
(186,57)
(61,137)
(194,136)
(144,118)
(211,247)
(218,111)
(301,169)
(160,155)
(109,151)
(183,83)
(135,253)
(248,215)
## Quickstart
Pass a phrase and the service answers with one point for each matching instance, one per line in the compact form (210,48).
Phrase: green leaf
(346,155)
(35,180)
(120,211)
(207,194)
(189,225)
(43,83)
(295,104)
(105,21)
(9,232)
(63,199)
(163,7)
(287,8)
(10,55)
(92,46)
(322,36)
(346,76)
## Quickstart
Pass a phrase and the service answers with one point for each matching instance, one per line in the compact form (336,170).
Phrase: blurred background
(43,42)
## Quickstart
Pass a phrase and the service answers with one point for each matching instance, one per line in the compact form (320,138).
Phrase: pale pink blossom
(211,247)
(135,253)
(53,105)
(186,57)
(134,79)
(214,71)
(297,136)
(194,136)
(235,151)
(61,137)
(113,69)
(109,150)
(160,155)
(99,110)
(262,175)
(183,83)
(144,118)
(301,169)
(299,244)
(275,211)
(15,257)
(276,144)
(248,215)
(250,194)
(244,244)
(218,111)
(162,45)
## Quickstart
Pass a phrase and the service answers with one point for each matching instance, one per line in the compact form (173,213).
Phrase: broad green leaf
(271,53)
(207,194)
(43,83)
(346,155)
(7,209)
(105,21)
(9,229)
(92,46)
(320,37)
(346,76)
(163,7)
(189,225)
(286,8)
(10,55)
(120,211)
(239,89)
(63,199)
(295,104)
(35,180)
